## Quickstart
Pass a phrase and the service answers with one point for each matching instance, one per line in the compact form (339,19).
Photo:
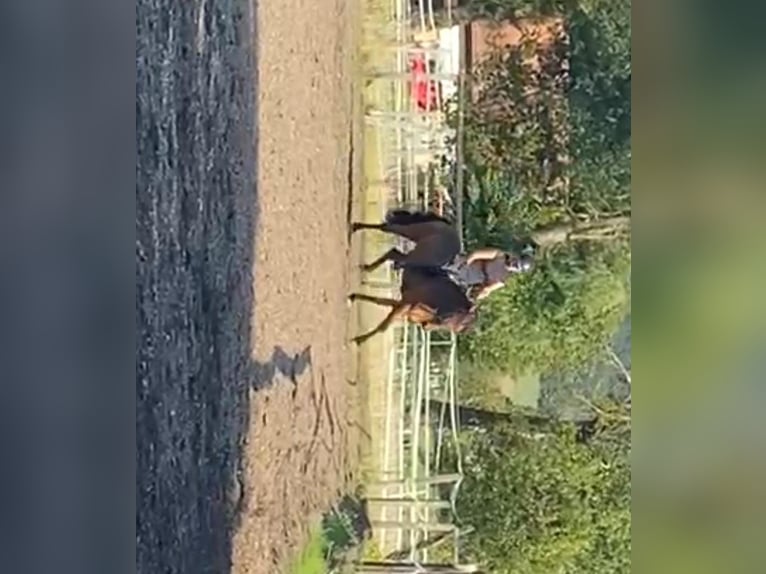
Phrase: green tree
(557,318)
(547,131)
(463,11)
(554,502)
(547,148)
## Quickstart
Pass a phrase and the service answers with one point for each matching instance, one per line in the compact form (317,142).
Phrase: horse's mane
(406,217)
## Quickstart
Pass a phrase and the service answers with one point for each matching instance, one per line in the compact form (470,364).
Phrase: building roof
(487,36)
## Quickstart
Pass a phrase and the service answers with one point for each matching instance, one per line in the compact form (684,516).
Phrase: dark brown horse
(436,239)
(429,298)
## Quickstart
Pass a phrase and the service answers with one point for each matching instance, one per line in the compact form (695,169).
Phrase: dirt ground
(302,439)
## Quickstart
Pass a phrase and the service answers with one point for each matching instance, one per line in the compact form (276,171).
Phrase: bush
(550,504)
(555,319)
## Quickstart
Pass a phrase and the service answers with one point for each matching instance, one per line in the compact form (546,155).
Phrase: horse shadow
(290,366)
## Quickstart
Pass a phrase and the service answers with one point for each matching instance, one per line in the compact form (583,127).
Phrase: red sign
(425,92)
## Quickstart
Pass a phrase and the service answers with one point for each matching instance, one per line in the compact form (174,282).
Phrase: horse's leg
(395,314)
(372,299)
(392,254)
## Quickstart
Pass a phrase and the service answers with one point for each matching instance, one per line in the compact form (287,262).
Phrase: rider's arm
(487,289)
(483,254)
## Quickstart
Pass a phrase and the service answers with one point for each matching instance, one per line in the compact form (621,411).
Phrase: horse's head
(464,322)
(458,322)
(436,302)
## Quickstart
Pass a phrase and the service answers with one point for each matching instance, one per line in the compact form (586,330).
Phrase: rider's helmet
(520,264)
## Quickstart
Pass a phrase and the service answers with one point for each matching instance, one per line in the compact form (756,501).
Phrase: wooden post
(460,144)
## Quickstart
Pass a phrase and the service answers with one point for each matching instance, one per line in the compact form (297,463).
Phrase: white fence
(416,491)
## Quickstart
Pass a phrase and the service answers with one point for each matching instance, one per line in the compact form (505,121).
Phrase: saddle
(448,271)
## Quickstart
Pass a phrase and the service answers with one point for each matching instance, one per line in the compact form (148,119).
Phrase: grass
(334,543)
(312,559)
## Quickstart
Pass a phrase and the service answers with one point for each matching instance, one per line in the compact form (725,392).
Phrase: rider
(486,270)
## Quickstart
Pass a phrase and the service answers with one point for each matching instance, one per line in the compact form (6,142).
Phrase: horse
(429,298)
(436,239)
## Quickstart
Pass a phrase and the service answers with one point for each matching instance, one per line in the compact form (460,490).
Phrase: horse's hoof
(359,339)
(353,296)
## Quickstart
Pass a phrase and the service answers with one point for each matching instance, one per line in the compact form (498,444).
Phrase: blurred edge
(699,291)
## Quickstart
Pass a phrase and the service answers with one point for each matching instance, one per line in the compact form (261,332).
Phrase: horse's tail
(405,217)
